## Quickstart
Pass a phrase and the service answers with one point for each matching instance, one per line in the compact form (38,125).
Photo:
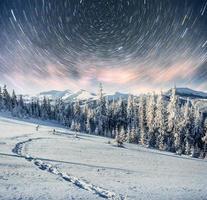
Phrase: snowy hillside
(33,163)
(187,92)
(79,95)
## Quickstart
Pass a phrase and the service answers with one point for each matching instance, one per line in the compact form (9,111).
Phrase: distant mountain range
(83,95)
(68,96)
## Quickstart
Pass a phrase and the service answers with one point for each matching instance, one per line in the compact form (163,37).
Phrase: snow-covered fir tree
(173,120)
(198,131)
(142,120)
(6,98)
(131,135)
(150,115)
(161,123)
(184,128)
(130,112)
(101,112)
(77,112)
(204,139)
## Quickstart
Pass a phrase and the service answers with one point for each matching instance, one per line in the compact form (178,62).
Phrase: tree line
(155,121)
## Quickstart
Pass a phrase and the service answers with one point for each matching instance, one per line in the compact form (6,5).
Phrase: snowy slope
(80,95)
(187,92)
(43,165)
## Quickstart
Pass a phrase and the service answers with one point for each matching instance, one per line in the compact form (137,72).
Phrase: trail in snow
(18,149)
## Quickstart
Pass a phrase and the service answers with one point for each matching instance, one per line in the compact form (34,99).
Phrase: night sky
(130,46)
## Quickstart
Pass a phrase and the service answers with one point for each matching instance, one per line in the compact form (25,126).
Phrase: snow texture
(42,165)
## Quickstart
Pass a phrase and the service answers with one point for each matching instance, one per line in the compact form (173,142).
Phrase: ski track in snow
(18,149)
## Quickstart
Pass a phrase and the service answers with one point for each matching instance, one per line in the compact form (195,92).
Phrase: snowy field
(42,165)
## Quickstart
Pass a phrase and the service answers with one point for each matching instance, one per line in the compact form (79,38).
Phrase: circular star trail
(134,45)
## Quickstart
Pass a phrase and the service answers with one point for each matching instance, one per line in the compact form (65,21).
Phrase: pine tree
(83,117)
(197,131)
(161,123)
(173,119)
(130,112)
(128,137)
(142,120)
(49,110)
(111,117)
(88,125)
(21,110)
(6,99)
(101,112)
(189,135)
(131,135)
(121,114)
(77,112)
(184,128)
(37,109)
(204,139)
(14,105)
(44,113)
(150,115)
(13,99)
(107,122)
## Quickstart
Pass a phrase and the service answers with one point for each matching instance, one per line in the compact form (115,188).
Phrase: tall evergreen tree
(161,123)
(151,115)
(142,120)
(6,99)
(130,112)
(101,112)
(173,119)
(13,100)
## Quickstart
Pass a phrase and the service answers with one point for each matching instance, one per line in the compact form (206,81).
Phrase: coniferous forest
(153,120)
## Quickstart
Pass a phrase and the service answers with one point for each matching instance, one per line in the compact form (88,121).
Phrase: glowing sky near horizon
(129,45)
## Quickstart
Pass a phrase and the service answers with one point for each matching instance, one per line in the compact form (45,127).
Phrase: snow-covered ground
(42,165)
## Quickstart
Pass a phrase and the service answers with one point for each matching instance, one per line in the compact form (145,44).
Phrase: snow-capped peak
(54,94)
(80,95)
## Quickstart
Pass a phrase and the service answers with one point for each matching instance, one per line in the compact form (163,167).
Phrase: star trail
(130,46)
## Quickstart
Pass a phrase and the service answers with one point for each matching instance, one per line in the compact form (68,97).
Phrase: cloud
(175,72)
(55,79)
(116,76)
(135,78)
